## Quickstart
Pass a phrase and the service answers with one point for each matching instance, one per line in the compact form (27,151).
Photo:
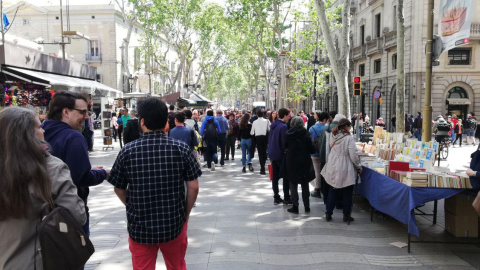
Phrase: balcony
(390,40)
(475,31)
(374,46)
(371,2)
(359,52)
(90,58)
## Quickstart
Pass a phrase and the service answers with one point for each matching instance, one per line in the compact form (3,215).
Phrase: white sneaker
(213,166)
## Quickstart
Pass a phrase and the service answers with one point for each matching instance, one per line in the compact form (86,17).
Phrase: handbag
(63,242)
(476,204)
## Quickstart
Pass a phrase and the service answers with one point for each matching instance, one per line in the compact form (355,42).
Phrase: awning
(135,95)
(199,99)
(60,82)
(458,101)
(186,100)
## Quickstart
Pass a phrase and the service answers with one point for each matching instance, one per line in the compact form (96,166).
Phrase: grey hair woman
(30,178)
(297,121)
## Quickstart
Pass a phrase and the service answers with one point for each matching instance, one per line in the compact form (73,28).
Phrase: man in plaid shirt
(149,176)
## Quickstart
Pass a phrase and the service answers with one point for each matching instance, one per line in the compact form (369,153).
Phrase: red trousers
(144,256)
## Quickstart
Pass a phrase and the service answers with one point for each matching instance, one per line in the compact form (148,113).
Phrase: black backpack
(472,123)
(63,243)
(210,131)
(443,127)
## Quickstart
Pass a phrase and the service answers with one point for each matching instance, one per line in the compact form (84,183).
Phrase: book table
(399,200)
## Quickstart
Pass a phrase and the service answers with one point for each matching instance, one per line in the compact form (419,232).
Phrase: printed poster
(454,22)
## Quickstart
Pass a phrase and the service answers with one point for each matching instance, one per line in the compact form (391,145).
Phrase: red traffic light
(356,80)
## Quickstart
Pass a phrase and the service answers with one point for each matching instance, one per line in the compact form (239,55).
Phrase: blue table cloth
(396,199)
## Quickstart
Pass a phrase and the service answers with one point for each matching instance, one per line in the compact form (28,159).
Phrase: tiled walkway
(236,226)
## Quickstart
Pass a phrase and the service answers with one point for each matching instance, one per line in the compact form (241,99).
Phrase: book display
(409,161)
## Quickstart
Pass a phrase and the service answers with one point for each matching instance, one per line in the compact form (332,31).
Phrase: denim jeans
(418,134)
(246,145)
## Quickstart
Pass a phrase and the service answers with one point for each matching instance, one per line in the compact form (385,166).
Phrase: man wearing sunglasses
(67,112)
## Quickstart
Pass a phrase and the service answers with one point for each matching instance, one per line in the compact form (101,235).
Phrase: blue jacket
(223,123)
(70,146)
(185,135)
(475,165)
(316,131)
(276,140)
(202,129)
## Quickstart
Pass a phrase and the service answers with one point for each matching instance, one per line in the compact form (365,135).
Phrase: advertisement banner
(454,22)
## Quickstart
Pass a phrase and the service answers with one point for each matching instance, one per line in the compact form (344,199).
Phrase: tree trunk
(339,57)
(400,106)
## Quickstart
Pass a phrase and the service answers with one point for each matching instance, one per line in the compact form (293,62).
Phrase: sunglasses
(83,112)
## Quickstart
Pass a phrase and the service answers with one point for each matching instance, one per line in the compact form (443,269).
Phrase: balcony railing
(390,39)
(374,46)
(370,2)
(359,52)
(475,31)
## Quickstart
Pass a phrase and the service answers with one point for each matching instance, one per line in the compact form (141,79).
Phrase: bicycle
(443,147)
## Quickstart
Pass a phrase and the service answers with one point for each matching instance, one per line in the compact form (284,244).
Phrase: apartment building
(106,29)
(456,81)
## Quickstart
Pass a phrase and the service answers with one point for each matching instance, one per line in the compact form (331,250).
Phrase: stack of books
(416,179)
(443,180)
(398,175)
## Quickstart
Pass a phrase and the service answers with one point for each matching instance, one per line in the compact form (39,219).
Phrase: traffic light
(357,86)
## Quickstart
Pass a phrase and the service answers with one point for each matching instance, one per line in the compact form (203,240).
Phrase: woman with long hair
(30,177)
(341,169)
(458,129)
(299,147)
(273,116)
(245,141)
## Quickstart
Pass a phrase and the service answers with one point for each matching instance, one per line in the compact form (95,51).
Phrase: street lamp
(315,63)
(130,82)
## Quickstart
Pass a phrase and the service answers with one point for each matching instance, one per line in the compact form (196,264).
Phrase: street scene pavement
(235,225)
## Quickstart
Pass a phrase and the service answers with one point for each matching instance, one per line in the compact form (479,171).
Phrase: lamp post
(315,63)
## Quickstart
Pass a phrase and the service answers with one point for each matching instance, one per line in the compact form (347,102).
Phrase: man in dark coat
(131,131)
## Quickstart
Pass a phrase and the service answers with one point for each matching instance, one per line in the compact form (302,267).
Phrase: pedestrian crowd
(156,172)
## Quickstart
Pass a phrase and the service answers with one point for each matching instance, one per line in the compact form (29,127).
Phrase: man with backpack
(182,133)
(470,127)
(417,124)
(315,132)
(209,131)
(222,135)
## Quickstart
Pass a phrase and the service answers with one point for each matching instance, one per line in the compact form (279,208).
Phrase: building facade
(456,81)
(106,29)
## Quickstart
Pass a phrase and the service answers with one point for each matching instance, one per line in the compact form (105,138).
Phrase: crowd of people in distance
(164,151)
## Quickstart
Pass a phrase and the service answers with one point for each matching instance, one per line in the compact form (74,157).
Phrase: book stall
(399,177)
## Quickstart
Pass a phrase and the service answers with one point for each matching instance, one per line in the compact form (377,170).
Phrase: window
(362,34)
(327,79)
(99,78)
(394,61)
(94,48)
(56,17)
(459,56)
(377,66)
(93,17)
(136,59)
(26,21)
(378,25)
(361,70)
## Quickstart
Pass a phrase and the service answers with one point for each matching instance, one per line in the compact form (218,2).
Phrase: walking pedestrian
(30,177)
(245,137)
(232,135)
(171,117)
(120,127)
(209,131)
(472,127)
(158,203)
(458,129)
(67,112)
(417,124)
(273,116)
(260,129)
(324,150)
(222,135)
(299,147)
(132,130)
(315,132)
(182,133)
(189,122)
(276,152)
(114,126)
(341,169)
(394,122)
(88,129)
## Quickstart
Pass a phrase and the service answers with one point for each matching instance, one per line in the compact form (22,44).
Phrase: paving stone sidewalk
(236,226)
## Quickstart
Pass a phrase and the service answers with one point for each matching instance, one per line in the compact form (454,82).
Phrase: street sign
(377,94)
(238,103)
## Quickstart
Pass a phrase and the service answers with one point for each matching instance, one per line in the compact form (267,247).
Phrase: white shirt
(260,127)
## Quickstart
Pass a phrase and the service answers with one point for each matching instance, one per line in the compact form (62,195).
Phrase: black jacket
(299,147)
(132,131)
(475,165)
